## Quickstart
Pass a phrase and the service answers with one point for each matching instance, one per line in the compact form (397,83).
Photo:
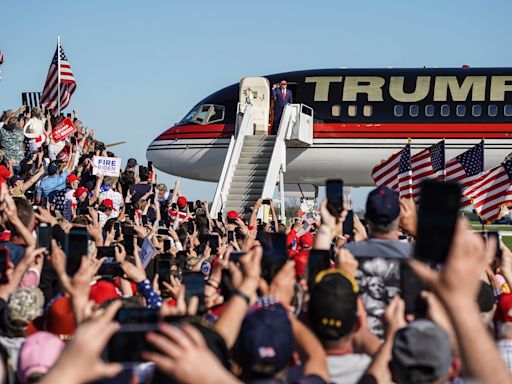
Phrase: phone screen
(194,285)
(318,261)
(214,242)
(437,216)
(410,288)
(164,273)
(219,216)
(4,260)
(167,245)
(334,193)
(128,240)
(235,256)
(76,246)
(348,225)
(190,206)
(127,345)
(231,236)
(44,236)
(275,254)
(106,252)
(190,227)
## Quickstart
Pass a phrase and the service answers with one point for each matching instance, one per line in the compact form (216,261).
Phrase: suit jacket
(278,97)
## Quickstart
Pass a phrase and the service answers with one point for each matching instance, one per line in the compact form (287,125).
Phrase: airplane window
(508,110)
(336,110)
(414,110)
(429,110)
(445,110)
(216,114)
(493,110)
(202,114)
(367,110)
(461,110)
(352,110)
(477,110)
(399,110)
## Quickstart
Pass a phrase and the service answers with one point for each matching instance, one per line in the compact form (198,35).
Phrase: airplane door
(256,91)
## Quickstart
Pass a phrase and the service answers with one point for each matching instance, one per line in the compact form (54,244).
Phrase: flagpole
(58,75)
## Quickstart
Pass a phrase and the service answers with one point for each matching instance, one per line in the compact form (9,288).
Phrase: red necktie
(284,94)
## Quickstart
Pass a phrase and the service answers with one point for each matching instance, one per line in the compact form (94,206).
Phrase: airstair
(256,162)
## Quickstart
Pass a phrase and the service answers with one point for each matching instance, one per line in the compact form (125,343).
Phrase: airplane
(361,117)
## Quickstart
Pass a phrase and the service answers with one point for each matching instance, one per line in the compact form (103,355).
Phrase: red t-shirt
(5,174)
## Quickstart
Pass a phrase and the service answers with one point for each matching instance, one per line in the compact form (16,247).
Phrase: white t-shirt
(347,369)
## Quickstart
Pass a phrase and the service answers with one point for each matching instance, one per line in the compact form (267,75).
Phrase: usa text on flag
(395,172)
(426,164)
(466,169)
(59,74)
(492,192)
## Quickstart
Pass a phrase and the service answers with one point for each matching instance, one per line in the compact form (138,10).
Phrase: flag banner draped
(59,75)
(427,164)
(492,192)
(466,169)
(395,172)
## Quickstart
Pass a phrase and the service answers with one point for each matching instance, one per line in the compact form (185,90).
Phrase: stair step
(248,179)
(255,161)
(251,167)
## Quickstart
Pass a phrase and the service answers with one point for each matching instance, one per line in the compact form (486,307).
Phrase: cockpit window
(205,114)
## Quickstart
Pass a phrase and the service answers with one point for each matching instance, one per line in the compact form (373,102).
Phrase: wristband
(243,296)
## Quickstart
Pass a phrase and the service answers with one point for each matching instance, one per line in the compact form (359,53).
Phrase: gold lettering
(353,87)
(476,84)
(396,89)
(322,84)
(499,86)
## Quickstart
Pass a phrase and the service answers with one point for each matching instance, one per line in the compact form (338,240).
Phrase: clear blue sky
(141,65)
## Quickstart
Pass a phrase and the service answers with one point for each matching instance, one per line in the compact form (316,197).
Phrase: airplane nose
(159,154)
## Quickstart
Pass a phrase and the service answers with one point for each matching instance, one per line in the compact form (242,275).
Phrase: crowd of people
(125,280)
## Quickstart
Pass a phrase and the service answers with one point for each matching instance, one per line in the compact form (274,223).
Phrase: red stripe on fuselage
(353,130)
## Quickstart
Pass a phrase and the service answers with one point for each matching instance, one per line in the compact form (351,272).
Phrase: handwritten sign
(63,130)
(106,166)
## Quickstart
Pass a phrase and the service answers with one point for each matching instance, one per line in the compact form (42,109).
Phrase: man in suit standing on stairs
(282,96)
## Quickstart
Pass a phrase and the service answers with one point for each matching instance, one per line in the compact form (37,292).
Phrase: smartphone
(496,235)
(190,206)
(219,216)
(162,223)
(214,242)
(128,239)
(153,188)
(106,252)
(348,225)
(437,217)
(73,140)
(144,219)
(4,262)
(334,193)
(44,236)
(190,227)
(235,256)
(162,231)
(82,211)
(110,268)
(274,254)
(164,272)
(231,236)
(76,245)
(318,261)
(167,245)
(126,345)
(150,166)
(194,285)
(266,202)
(410,291)
(117,229)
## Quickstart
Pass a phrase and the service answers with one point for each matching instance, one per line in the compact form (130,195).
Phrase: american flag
(395,172)
(428,163)
(492,192)
(67,84)
(466,169)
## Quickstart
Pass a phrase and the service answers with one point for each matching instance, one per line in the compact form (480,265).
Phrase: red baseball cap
(504,310)
(109,204)
(233,215)
(182,202)
(103,291)
(306,240)
(80,191)
(72,177)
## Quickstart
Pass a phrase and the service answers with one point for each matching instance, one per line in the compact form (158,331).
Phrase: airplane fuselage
(361,116)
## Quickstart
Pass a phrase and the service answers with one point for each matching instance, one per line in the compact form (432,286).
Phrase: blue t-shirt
(52,183)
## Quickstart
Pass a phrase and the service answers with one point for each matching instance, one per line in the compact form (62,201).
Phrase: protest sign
(106,166)
(63,130)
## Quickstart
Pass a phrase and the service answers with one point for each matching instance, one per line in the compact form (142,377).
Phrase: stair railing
(232,157)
